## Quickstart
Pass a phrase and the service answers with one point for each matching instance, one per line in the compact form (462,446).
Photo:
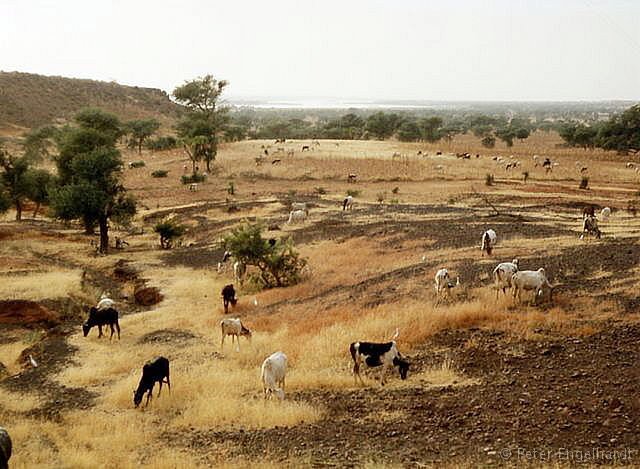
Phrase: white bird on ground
(33,362)
(424,258)
(255,301)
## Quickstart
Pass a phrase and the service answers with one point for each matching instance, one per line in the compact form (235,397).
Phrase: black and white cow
(375,354)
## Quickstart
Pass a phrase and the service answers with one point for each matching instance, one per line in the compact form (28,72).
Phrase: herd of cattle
(506,275)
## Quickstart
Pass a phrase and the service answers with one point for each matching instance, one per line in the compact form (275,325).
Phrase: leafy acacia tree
(382,125)
(169,231)
(409,131)
(279,263)
(621,133)
(140,130)
(39,182)
(14,179)
(89,171)
(488,141)
(205,119)
(431,129)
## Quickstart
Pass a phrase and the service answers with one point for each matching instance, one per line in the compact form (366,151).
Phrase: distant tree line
(621,133)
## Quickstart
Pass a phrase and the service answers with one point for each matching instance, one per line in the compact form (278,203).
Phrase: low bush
(160,173)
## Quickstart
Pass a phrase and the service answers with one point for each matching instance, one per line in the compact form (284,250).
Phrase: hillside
(29,100)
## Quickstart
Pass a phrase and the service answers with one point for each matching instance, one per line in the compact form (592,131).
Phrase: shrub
(584,182)
(321,190)
(160,173)
(353,193)
(280,264)
(489,180)
(394,201)
(188,179)
(161,143)
(137,164)
(169,231)
(231,188)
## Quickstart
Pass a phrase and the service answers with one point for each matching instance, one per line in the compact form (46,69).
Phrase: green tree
(522,133)
(39,182)
(205,119)
(169,231)
(621,133)
(89,173)
(382,125)
(14,179)
(37,143)
(431,129)
(140,130)
(506,134)
(409,131)
(489,141)
(279,263)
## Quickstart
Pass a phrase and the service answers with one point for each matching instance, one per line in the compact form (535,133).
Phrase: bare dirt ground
(490,379)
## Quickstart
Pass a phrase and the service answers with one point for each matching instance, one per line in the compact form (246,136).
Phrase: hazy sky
(363,49)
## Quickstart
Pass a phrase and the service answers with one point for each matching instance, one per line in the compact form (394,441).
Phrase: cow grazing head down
(86,327)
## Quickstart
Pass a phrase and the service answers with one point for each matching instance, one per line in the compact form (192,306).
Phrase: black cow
(588,211)
(377,354)
(5,448)
(305,148)
(228,296)
(153,371)
(102,317)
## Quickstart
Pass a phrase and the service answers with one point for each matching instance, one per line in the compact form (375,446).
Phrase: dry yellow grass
(220,389)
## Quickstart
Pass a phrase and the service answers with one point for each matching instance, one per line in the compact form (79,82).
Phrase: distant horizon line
(296,101)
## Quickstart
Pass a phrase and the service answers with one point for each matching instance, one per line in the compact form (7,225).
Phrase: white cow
(297,216)
(274,370)
(489,239)
(605,214)
(347,203)
(444,284)
(234,328)
(502,275)
(530,280)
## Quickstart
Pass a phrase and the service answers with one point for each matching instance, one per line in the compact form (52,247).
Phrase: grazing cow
(546,164)
(351,177)
(193,187)
(443,284)
(223,262)
(605,214)
(105,302)
(530,280)
(156,370)
(438,153)
(305,148)
(297,216)
(228,294)
(588,211)
(102,317)
(234,328)
(300,206)
(502,275)
(6,448)
(273,372)
(347,203)
(489,239)
(375,354)
(276,161)
(590,227)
